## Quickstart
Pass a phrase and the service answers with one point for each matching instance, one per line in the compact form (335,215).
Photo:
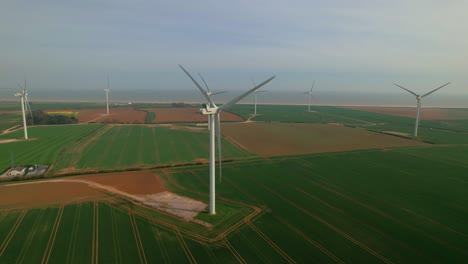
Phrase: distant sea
(269,97)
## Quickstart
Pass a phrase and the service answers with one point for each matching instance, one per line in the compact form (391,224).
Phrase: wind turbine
(255,94)
(107,94)
(310,94)
(209,93)
(418,106)
(23,95)
(211,109)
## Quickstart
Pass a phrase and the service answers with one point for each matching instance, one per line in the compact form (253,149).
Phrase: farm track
(308,239)
(140,146)
(12,232)
(27,242)
(73,234)
(53,234)
(108,147)
(377,211)
(271,243)
(77,149)
(123,149)
(95,243)
(325,223)
(157,157)
(234,251)
(117,247)
(139,243)
(184,246)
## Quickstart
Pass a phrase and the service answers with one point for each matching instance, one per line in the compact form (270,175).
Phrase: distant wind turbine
(310,94)
(23,95)
(418,105)
(107,94)
(255,94)
(212,110)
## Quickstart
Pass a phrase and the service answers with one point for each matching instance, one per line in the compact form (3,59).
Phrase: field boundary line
(136,234)
(12,232)
(234,251)
(185,247)
(308,239)
(271,243)
(332,227)
(53,234)
(95,243)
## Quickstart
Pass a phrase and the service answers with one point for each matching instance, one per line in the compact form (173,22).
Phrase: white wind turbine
(418,106)
(212,110)
(255,94)
(23,95)
(107,94)
(310,94)
(209,93)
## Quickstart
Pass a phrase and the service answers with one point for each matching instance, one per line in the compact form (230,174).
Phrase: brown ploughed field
(425,114)
(174,115)
(116,115)
(277,139)
(141,182)
(45,192)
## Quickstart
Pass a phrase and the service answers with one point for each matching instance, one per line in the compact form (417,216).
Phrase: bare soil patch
(174,115)
(277,139)
(46,192)
(425,114)
(175,204)
(141,182)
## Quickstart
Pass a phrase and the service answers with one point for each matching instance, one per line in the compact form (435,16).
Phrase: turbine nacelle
(207,110)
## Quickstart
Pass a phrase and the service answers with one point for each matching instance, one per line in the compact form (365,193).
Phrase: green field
(398,206)
(45,145)
(439,132)
(8,120)
(140,146)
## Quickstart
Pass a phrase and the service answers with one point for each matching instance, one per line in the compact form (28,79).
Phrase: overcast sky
(343,45)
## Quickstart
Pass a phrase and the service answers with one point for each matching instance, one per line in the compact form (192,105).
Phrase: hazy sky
(344,45)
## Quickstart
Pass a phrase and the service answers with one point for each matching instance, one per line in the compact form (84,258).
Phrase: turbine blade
(312,86)
(435,89)
(261,91)
(411,92)
(203,79)
(218,93)
(242,96)
(218,135)
(199,87)
(28,106)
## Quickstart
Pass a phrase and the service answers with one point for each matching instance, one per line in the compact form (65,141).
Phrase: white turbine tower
(212,110)
(310,94)
(255,94)
(107,94)
(23,95)
(418,105)
(209,93)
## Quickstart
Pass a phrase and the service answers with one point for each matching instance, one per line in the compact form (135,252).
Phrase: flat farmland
(45,145)
(123,146)
(179,115)
(9,119)
(278,139)
(396,206)
(425,114)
